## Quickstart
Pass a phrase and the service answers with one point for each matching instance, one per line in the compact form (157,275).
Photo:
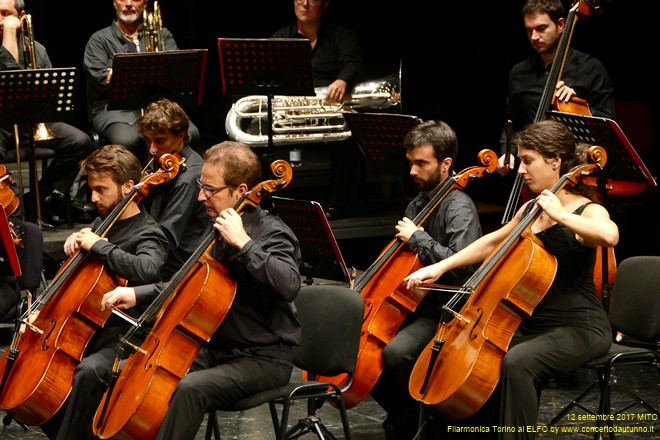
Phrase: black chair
(635,313)
(331,318)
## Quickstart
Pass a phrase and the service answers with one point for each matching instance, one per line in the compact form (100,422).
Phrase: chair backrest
(331,318)
(31,257)
(635,308)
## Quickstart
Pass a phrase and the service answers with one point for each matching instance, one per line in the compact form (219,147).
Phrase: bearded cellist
(134,249)
(431,150)
(569,326)
(251,350)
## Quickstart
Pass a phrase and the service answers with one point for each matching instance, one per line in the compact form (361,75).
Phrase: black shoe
(54,208)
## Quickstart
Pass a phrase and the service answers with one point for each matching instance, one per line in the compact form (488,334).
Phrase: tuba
(307,119)
(153,29)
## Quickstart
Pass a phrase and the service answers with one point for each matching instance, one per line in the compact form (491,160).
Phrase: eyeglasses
(210,191)
(311,2)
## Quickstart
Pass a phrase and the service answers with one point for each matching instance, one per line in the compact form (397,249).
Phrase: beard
(104,211)
(129,18)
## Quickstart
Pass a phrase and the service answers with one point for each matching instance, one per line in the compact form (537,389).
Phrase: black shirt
(336,55)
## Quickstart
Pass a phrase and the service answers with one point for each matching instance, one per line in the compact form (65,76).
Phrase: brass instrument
(307,119)
(41,131)
(153,30)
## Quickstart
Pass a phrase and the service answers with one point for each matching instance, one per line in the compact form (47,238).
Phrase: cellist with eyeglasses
(569,326)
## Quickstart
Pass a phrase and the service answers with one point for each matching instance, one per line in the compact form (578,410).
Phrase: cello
(37,369)
(459,369)
(387,301)
(9,202)
(187,313)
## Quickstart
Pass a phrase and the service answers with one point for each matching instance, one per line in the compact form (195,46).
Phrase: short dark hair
(554,8)
(437,133)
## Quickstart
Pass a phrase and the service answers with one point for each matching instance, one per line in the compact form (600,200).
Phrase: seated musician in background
(431,149)
(135,249)
(337,63)
(251,350)
(336,54)
(174,205)
(569,326)
(70,144)
(125,34)
(583,76)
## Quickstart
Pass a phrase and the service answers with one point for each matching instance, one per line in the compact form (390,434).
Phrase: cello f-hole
(480,312)
(148,364)
(44,345)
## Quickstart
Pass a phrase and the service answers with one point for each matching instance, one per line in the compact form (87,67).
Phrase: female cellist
(569,326)
(251,350)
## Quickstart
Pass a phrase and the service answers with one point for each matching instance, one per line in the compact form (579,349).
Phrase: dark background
(455,59)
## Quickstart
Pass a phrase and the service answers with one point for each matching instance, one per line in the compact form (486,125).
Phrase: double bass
(605,269)
(37,369)
(459,369)
(549,101)
(187,313)
(387,301)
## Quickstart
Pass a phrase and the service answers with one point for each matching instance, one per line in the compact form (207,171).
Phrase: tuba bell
(307,119)
(153,29)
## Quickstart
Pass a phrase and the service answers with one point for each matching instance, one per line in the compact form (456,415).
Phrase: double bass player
(569,326)
(584,76)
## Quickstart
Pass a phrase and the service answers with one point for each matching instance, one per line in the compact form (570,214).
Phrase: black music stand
(28,97)
(623,162)
(320,252)
(380,138)
(141,78)
(263,67)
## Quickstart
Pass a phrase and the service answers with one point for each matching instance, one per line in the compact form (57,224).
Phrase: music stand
(8,253)
(266,66)
(32,96)
(141,78)
(320,252)
(380,138)
(623,162)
